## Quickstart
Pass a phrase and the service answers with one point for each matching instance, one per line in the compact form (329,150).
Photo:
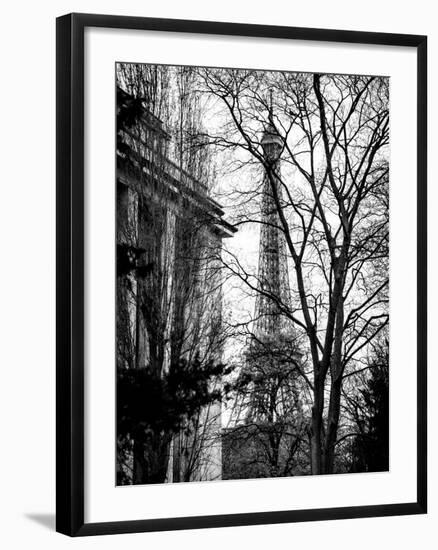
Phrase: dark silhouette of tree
(151,408)
(370,448)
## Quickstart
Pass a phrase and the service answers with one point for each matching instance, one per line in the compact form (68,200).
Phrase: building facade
(169,297)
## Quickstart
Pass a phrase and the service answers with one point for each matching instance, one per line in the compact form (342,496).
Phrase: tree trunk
(176,455)
(316,431)
(151,459)
(332,426)
(139,463)
(336,379)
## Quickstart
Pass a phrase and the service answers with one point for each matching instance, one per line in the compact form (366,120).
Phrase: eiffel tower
(272,342)
(273,294)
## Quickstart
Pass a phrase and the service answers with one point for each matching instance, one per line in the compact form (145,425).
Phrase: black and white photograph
(252,273)
(218,284)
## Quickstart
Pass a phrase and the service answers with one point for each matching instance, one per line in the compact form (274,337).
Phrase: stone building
(169,302)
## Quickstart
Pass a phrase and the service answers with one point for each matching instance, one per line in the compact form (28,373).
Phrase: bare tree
(332,212)
(267,431)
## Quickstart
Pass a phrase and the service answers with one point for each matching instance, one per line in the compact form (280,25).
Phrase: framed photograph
(241,274)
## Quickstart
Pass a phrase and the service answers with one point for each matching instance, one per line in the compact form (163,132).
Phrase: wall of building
(163,228)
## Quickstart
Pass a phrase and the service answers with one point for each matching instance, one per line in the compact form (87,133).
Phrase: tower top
(271,141)
(271,137)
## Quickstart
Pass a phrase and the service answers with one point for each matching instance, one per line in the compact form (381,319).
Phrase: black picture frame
(70,273)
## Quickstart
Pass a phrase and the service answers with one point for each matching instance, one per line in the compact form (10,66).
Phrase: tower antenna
(271,112)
